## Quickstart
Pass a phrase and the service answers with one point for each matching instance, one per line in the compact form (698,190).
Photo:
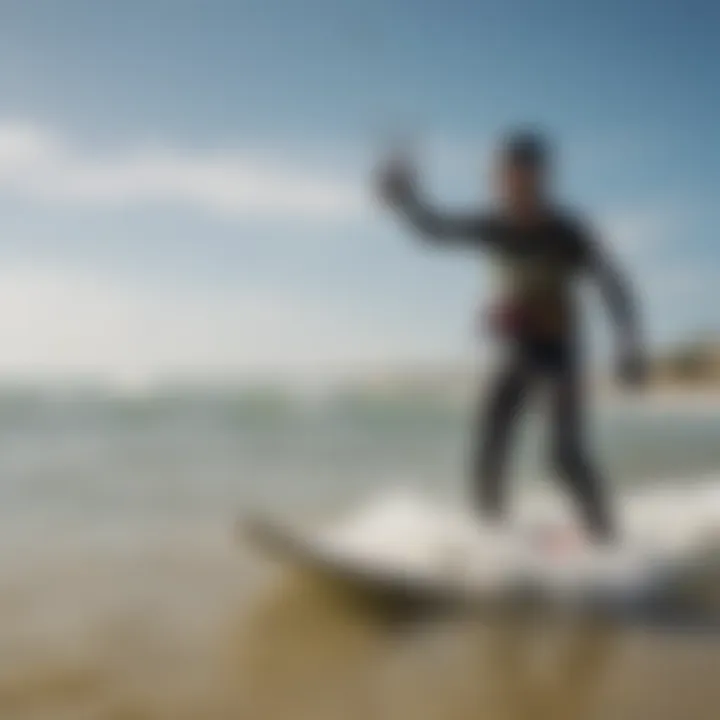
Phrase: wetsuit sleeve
(397,189)
(616,291)
(469,229)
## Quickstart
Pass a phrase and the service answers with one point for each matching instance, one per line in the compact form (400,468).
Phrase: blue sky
(183,185)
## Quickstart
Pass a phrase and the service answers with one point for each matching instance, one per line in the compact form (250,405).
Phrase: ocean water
(125,593)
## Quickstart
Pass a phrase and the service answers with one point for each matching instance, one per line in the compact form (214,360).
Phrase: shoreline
(664,398)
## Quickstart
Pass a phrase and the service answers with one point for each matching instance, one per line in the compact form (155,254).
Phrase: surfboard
(409,547)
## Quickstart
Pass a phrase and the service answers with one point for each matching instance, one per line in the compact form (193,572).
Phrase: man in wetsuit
(542,253)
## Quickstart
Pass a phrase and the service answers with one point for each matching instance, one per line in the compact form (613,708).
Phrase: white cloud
(39,165)
(57,320)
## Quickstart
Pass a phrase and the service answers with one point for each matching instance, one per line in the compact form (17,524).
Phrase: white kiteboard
(406,545)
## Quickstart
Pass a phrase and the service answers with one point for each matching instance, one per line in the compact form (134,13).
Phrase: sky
(185,185)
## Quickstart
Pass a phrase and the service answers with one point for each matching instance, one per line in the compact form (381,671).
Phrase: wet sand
(187,629)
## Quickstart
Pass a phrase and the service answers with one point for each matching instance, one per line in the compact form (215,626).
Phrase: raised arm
(397,188)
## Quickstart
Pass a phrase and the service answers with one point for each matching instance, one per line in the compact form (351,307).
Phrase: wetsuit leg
(497,419)
(569,453)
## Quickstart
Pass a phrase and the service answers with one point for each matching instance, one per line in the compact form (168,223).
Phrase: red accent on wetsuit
(505,319)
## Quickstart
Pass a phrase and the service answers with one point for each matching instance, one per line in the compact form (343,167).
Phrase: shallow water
(126,596)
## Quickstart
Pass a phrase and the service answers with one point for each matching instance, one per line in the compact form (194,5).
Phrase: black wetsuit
(538,318)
